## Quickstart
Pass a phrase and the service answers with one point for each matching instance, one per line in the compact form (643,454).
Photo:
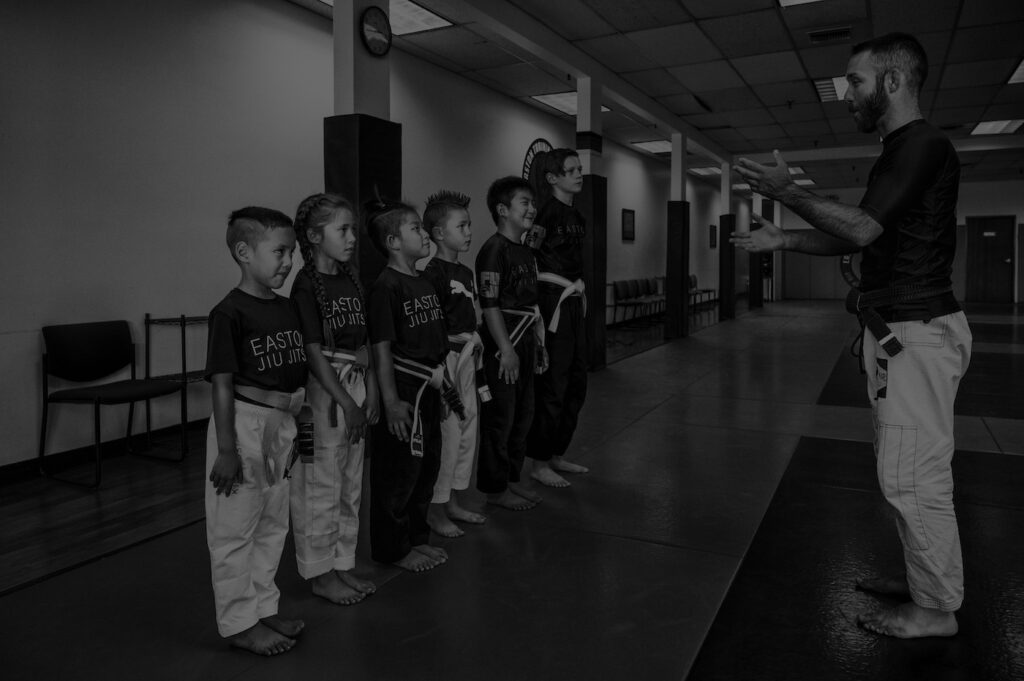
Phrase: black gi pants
(402,485)
(505,420)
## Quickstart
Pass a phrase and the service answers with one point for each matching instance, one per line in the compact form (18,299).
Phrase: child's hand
(372,409)
(355,423)
(226,473)
(399,416)
(508,366)
(542,360)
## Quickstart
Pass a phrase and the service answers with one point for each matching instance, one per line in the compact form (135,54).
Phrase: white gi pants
(246,531)
(325,494)
(912,404)
(459,438)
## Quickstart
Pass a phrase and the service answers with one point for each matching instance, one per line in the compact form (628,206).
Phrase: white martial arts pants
(325,494)
(912,398)
(246,531)
(459,438)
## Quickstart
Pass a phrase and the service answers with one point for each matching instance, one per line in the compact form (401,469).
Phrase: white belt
(432,376)
(349,364)
(569,288)
(471,347)
(527,318)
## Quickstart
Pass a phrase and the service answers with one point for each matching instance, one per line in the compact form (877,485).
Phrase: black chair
(89,352)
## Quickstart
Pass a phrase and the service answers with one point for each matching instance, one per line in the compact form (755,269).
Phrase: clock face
(376,31)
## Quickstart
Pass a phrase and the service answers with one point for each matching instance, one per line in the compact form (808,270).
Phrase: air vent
(829,35)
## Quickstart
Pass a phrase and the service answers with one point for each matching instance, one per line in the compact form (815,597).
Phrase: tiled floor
(619,576)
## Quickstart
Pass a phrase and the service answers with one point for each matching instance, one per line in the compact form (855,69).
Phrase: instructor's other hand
(770,181)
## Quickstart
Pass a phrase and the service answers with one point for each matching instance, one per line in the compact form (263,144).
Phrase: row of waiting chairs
(637,298)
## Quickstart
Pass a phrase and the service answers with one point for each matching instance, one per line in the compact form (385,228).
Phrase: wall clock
(375,30)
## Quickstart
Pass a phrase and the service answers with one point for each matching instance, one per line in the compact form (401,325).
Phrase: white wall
(132,129)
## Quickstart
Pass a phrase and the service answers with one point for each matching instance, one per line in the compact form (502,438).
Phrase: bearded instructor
(917,343)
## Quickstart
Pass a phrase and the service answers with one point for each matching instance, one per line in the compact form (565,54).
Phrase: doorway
(990,257)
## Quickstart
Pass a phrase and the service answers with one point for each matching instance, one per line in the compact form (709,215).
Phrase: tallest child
(557,239)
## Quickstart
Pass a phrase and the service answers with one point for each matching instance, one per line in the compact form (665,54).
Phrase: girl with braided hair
(342,392)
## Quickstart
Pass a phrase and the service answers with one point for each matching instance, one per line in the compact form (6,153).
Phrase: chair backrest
(693,281)
(633,287)
(620,289)
(87,352)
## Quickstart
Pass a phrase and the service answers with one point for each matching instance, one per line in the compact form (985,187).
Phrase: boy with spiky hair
(446,219)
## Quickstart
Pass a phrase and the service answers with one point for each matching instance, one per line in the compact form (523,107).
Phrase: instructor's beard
(871,111)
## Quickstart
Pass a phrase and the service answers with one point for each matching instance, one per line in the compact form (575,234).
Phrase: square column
(592,202)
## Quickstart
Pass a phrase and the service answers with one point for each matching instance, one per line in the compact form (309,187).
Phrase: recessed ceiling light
(804,182)
(655,146)
(704,172)
(741,187)
(566,102)
(796,170)
(788,3)
(831,89)
(1018,75)
(997,127)
(408,17)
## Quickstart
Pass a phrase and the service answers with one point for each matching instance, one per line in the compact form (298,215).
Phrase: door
(990,259)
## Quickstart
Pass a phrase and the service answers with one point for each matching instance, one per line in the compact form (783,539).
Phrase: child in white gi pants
(342,391)
(446,219)
(257,365)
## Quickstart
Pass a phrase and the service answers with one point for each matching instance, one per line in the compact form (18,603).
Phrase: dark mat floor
(791,611)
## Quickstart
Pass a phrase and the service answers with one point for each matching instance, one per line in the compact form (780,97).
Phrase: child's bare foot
(330,586)
(909,620)
(525,492)
(440,522)
(456,512)
(289,628)
(508,499)
(262,640)
(435,552)
(563,466)
(361,585)
(894,585)
(414,561)
(543,473)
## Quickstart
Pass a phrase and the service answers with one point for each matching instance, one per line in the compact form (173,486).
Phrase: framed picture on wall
(628,224)
(713,236)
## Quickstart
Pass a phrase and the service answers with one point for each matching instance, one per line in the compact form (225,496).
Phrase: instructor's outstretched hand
(770,181)
(768,238)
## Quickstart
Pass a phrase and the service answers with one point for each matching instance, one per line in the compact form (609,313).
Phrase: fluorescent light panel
(796,170)
(831,89)
(408,17)
(1018,75)
(997,127)
(655,146)
(789,3)
(804,182)
(704,172)
(566,102)
(741,187)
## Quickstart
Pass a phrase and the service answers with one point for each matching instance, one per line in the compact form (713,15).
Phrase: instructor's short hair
(899,51)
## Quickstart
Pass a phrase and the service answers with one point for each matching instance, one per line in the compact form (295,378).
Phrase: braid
(351,272)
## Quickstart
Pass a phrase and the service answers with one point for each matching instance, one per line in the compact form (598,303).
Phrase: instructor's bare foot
(543,473)
(361,585)
(440,523)
(289,628)
(894,585)
(331,587)
(463,515)
(262,640)
(435,552)
(414,561)
(563,466)
(909,620)
(525,492)
(510,500)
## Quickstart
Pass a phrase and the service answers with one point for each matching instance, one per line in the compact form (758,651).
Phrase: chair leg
(96,425)
(42,439)
(149,444)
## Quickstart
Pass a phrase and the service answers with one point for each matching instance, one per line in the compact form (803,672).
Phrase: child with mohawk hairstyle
(446,219)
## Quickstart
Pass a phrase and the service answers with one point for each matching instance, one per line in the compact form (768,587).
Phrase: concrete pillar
(677,247)
(592,202)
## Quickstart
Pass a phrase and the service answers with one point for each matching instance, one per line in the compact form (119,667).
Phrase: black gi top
(557,239)
(258,341)
(507,275)
(453,282)
(912,193)
(346,319)
(405,310)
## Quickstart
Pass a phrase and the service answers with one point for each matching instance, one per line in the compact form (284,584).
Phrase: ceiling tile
(797,113)
(807,128)
(702,9)
(842,125)
(974,73)
(1009,111)
(966,96)
(615,120)
(778,67)
(452,10)
(748,118)
(826,62)
(935,46)
(762,132)
(414,49)
(745,34)
(674,45)
(829,14)
(682,104)
(725,136)
(836,110)
(977,12)
(654,82)
(637,15)
(961,116)
(616,52)
(571,19)
(778,94)
(1010,93)
(908,17)
(987,42)
(523,80)
(733,99)
(707,120)
(712,75)
(463,47)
